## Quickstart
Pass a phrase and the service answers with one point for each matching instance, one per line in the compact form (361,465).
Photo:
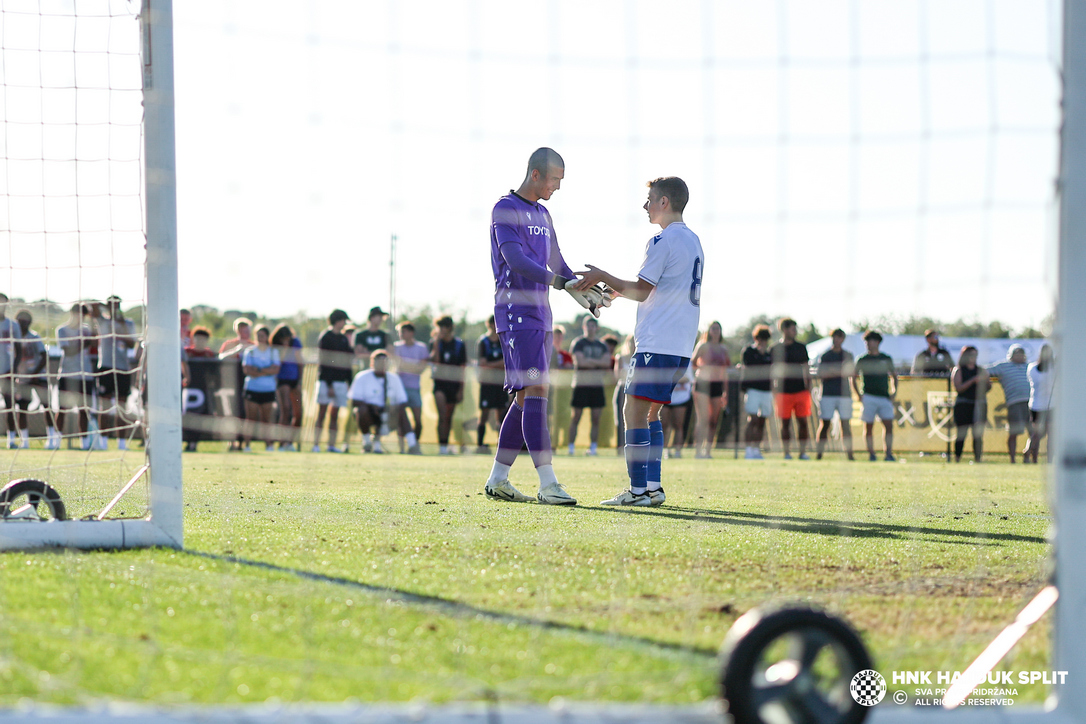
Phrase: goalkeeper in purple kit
(527,263)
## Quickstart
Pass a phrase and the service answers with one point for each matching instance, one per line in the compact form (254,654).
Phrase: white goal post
(163,525)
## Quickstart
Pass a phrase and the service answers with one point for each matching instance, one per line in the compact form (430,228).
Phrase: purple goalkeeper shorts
(527,356)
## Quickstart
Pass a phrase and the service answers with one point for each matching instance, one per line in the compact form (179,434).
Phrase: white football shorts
(336,396)
(876,406)
(759,403)
(834,403)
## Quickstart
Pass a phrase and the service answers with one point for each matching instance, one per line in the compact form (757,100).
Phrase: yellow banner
(924,418)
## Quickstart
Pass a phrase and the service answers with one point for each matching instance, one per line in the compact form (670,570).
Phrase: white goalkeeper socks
(498,473)
(546,475)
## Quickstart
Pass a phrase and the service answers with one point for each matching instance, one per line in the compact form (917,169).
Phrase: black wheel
(31,499)
(792,665)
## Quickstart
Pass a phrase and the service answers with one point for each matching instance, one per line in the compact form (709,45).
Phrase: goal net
(83,254)
(890,167)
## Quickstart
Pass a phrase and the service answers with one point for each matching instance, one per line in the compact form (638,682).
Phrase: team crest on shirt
(533,373)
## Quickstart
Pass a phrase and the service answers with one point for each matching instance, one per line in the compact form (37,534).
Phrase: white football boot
(504,490)
(555,494)
(627,497)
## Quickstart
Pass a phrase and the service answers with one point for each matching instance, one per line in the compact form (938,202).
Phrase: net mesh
(852,162)
(73,238)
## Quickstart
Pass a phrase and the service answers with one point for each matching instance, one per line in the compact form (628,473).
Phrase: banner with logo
(209,405)
(924,419)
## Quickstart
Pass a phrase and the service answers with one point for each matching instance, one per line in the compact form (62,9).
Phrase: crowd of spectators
(379,380)
(98,371)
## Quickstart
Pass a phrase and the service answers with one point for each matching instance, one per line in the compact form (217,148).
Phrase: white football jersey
(667,321)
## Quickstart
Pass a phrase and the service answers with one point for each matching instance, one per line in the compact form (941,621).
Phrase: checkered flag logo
(868,687)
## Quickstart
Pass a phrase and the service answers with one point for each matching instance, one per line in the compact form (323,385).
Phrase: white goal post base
(85,534)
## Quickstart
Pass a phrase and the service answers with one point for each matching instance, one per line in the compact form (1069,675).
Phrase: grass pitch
(319,578)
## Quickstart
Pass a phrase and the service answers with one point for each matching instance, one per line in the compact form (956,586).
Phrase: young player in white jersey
(668,292)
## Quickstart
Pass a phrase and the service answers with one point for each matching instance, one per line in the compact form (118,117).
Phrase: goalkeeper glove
(591,299)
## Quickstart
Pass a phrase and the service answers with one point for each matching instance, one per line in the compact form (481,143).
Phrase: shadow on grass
(454,608)
(819,526)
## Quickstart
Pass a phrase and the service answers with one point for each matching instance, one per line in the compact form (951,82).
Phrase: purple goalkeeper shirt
(519,302)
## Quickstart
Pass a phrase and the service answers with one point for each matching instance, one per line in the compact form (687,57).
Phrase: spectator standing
(288,391)
(792,383)
(260,363)
(76,371)
(590,360)
(448,353)
(1042,381)
(971,386)
(560,358)
(612,342)
(560,367)
(621,369)
(233,377)
(116,336)
(757,385)
(934,360)
(379,397)
(493,399)
(875,370)
(242,339)
(186,332)
(1013,375)
(710,363)
(9,333)
(411,356)
(32,368)
(200,349)
(836,368)
(372,338)
(333,378)
(673,415)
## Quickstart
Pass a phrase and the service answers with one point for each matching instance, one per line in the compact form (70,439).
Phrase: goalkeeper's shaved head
(546,169)
(544,159)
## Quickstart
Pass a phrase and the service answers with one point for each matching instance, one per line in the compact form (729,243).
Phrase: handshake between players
(592,297)
(526,262)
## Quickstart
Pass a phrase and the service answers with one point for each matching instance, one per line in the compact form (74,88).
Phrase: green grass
(319,578)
